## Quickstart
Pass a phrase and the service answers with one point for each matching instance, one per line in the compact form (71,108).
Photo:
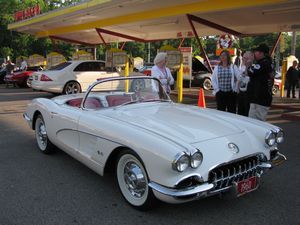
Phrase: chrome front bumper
(173,195)
(27,118)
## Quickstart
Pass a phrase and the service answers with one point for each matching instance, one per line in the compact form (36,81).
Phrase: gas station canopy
(104,21)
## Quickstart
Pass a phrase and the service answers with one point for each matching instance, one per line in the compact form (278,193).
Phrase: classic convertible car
(157,149)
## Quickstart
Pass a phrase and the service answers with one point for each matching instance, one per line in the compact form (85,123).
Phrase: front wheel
(137,85)
(72,87)
(43,142)
(28,82)
(133,181)
(207,84)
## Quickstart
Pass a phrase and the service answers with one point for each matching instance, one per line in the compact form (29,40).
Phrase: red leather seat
(114,100)
(76,102)
(90,103)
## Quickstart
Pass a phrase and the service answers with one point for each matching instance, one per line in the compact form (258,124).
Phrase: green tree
(5,52)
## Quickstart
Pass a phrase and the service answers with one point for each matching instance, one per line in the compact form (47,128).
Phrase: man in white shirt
(23,64)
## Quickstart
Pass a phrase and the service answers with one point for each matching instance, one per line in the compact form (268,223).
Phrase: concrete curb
(291,116)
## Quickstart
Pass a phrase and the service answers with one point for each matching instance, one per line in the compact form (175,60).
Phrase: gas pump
(36,60)
(54,59)
(82,55)
(117,59)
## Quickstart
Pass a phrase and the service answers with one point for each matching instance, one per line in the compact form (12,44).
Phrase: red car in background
(21,78)
(146,69)
(276,86)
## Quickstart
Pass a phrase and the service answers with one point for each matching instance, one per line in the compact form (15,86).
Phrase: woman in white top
(161,72)
(243,101)
(224,81)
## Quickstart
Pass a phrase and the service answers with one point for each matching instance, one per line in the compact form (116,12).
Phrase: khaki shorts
(258,112)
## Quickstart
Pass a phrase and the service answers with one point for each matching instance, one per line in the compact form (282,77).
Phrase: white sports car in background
(70,77)
(158,149)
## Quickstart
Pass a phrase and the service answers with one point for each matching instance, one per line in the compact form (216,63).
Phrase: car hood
(175,121)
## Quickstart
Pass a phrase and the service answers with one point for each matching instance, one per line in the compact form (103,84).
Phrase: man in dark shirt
(292,77)
(9,67)
(259,90)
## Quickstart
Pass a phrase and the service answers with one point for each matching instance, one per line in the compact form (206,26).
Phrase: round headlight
(280,137)
(196,159)
(181,162)
(270,138)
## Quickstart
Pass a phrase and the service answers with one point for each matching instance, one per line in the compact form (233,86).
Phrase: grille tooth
(240,172)
(215,175)
(245,172)
(228,175)
(223,176)
(234,174)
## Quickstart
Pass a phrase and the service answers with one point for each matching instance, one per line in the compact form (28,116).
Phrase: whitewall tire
(133,181)
(43,142)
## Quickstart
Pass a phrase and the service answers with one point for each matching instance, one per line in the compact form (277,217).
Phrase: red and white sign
(225,41)
(187,62)
(28,13)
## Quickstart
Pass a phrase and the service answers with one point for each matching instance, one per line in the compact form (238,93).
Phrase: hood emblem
(233,147)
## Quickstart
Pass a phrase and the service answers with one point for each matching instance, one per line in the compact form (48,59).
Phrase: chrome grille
(223,176)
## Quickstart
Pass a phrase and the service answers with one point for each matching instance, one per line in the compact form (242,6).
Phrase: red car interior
(90,103)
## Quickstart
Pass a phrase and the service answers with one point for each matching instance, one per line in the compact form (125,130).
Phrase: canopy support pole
(199,43)
(214,25)
(100,30)
(101,37)
(123,45)
(181,42)
(276,44)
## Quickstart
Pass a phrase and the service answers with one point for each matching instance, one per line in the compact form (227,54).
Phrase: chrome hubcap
(138,85)
(207,85)
(72,88)
(42,134)
(134,179)
(28,82)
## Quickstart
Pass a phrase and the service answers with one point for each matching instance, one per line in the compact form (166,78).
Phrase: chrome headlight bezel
(181,162)
(196,159)
(270,138)
(279,136)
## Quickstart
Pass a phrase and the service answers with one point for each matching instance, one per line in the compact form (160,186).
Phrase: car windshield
(60,66)
(123,91)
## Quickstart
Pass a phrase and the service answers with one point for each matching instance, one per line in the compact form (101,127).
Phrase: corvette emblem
(233,147)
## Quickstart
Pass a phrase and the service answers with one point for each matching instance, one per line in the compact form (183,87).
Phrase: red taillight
(45,78)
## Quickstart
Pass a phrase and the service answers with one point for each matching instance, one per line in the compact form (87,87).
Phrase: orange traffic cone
(201,99)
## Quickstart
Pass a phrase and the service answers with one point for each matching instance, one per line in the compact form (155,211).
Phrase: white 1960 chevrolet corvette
(157,149)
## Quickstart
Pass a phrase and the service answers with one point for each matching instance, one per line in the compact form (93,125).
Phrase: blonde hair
(161,56)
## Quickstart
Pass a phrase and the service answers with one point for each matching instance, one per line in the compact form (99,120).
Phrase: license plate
(246,186)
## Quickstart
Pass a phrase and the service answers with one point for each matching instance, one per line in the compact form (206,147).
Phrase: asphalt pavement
(39,189)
